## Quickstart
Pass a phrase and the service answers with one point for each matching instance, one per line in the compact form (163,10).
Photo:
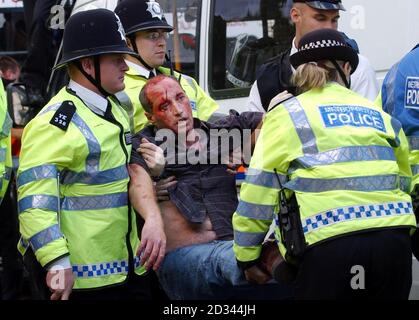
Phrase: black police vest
(274,77)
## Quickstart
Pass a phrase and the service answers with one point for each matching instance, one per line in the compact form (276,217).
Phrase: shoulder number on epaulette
(63,115)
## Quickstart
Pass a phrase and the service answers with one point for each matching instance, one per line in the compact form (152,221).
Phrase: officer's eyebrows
(324,16)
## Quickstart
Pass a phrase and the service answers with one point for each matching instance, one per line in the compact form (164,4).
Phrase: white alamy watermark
(358,280)
(208,147)
(58,278)
(358,17)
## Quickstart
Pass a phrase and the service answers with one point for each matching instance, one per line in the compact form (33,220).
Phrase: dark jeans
(210,271)
(331,270)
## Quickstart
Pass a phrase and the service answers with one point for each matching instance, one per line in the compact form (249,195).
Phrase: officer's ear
(295,14)
(88,66)
(347,68)
(129,43)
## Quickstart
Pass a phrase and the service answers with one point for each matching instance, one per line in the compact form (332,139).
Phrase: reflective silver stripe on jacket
(44,237)
(366,184)
(127,105)
(7,126)
(264,178)
(344,154)
(94,178)
(302,126)
(95,202)
(415,169)
(44,202)
(191,83)
(413,143)
(93,158)
(36,174)
(248,239)
(405,184)
(2,154)
(351,213)
(255,211)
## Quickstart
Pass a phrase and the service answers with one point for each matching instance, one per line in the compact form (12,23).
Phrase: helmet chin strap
(96,80)
(135,48)
(342,74)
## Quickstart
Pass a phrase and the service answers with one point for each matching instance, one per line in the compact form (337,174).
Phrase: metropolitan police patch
(354,116)
(411,100)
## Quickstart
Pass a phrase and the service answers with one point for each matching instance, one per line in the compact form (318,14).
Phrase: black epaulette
(63,115)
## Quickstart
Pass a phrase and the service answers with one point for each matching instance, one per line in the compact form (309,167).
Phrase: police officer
(11,273)
(73,175)
(400,98)
(5,144)
(275,75)
(343,164)
(147,33)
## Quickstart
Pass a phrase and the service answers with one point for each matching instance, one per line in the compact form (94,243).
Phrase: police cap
(93,32)
(324,4)
(324,44)
(138,15)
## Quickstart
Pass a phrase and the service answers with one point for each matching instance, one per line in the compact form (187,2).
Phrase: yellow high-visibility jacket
(345,160)
(73,192)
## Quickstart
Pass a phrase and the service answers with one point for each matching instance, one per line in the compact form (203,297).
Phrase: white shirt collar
(293,47)
(94,101)
(293,50)
(140,70)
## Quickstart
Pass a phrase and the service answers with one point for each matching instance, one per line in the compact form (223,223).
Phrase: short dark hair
(144,100)
(8,63)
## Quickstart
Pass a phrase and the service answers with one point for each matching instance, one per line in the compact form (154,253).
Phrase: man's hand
(153,242)
(153,156)
(162,192)
(256,275)
(60,282)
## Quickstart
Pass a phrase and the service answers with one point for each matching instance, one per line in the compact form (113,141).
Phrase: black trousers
(378,261)
(11,276)
(136,288)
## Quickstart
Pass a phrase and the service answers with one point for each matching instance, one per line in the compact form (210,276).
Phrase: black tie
(108,113)
(151,75)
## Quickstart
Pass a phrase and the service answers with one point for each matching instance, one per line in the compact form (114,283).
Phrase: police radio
(289,224)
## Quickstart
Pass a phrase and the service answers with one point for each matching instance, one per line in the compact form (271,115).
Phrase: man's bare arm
(143,199)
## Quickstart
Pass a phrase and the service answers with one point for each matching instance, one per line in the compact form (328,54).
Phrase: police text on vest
(354,116)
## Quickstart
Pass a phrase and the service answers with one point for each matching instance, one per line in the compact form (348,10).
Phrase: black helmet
(324,44)
(93,32)
(138,15)
(324,4)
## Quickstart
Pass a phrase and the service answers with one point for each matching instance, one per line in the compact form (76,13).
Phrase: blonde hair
(313,75)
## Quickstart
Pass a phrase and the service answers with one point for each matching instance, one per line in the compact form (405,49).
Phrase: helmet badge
(155,10)
(120,28)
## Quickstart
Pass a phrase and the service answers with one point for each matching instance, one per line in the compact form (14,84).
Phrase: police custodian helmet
(324,44)
(138,15)
(91,33)
(323,4)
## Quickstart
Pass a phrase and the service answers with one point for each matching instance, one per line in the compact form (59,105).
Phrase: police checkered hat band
(324,44)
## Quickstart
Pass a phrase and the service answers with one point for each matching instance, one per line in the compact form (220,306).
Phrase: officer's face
(152,46)
(307,19)
(112,72)
(171,108)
